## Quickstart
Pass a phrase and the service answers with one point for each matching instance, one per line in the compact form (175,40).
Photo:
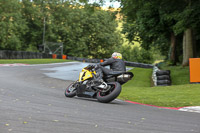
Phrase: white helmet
(116,55)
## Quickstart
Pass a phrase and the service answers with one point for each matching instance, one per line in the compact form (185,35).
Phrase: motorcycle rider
(116,65)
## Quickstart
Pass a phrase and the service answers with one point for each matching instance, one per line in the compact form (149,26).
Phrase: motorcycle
(104,90)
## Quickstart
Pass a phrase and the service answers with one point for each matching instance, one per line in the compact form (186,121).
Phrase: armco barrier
(127,63)
(84,59)
(8,54)
(46,55)
(136,64)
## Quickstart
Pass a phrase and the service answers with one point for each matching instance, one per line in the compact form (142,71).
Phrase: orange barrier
(194,69)
(54,56)
(64,57)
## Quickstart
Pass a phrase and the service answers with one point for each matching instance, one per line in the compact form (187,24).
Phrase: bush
(136,54)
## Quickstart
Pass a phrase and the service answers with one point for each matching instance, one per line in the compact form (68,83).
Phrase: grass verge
(179,75)
(178,95)
(33,61)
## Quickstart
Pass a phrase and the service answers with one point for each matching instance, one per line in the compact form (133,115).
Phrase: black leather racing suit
(115,65)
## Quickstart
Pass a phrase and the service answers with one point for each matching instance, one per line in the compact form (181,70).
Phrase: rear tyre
(114,91)
(70,91)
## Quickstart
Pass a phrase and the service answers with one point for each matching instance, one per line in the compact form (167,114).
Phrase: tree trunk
(194,44)
(188,45)
(172,49)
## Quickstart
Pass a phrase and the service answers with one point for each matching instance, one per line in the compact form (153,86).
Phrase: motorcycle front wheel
(111,94)
(70,91)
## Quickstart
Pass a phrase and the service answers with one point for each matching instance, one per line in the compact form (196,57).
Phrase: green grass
(179,74)
(178,95)
(32,61)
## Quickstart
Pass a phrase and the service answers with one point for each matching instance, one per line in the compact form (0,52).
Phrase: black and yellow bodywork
(86,74)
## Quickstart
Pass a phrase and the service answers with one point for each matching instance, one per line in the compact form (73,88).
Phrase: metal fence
(8,54)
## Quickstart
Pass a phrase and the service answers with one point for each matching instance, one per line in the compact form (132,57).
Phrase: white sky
(108,3)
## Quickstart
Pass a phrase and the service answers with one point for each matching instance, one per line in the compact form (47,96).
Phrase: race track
(32,101)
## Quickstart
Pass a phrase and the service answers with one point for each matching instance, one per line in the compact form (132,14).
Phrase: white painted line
(53,64)
(119,100)
(20,64)
(195,109)
(16,64)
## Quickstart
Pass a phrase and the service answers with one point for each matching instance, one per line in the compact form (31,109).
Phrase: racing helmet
(117,55)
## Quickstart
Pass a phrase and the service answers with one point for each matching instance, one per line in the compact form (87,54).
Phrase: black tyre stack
(163,78)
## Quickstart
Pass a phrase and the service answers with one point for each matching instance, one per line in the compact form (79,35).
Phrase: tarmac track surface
(31,102)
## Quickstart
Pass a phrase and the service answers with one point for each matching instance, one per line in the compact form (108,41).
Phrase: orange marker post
(64,57)
(194,70)
(54,56)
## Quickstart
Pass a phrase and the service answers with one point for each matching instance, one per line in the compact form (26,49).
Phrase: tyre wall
(161,77)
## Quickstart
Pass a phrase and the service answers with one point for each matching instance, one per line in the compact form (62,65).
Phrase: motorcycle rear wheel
(70,91)
(114,91)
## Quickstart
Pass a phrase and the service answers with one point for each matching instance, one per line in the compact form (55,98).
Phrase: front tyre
(70,91)
(111,94)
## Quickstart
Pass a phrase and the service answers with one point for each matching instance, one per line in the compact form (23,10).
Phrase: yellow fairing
(85,74)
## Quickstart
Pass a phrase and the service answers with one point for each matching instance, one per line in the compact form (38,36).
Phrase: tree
(161,22)
(85,29)
(93,34)
(187,22)
(34,19)
(12,25)
(144,20)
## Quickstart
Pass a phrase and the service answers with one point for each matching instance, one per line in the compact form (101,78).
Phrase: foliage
(96,38)
(12,25)
(136,54)
(86,31)
(34,19)
(155,20)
